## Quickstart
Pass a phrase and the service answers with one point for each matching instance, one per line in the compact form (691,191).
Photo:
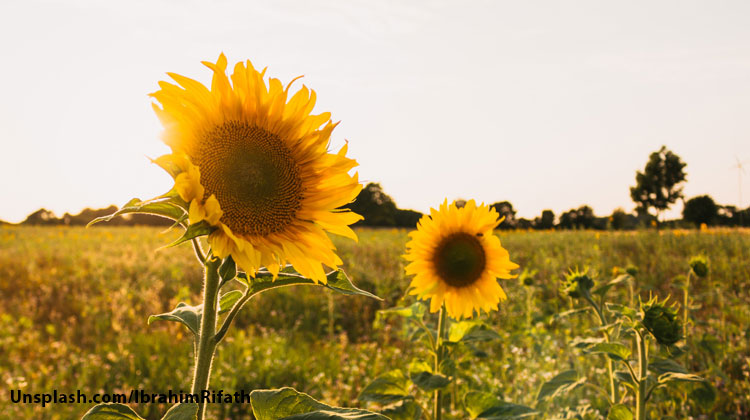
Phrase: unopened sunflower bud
(576,284)
(632,270)
(699,265)
(662,322)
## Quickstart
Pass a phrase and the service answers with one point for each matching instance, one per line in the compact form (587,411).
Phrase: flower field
(74,305)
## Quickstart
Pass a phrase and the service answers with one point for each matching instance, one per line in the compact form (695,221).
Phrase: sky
(549,105)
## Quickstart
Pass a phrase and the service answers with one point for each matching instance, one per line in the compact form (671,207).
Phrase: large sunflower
(254,163)
(456,260)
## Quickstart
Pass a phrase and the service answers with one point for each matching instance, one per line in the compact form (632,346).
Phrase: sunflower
(252,161)
(456,260)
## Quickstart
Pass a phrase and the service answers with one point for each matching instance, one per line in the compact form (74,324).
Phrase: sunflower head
(576,283)
(699,265)
(252,162)
(456,260)
(661,321)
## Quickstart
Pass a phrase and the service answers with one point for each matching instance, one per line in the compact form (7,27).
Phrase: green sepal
(163,206)
(185,411)
(187,315)
(422,376)
(561,384)
(289,404)
(619,412)
(482,405)
(193,231)
(389,387)
(338,281)
(111,412)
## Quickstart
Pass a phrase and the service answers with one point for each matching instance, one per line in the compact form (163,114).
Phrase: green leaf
(164,207)
(195,230)
(705,395)
(561,384)
(190,316)
(482,405)
(228,270)
(659,366)
(421,374)
(389,387)
(619,412)
(289,404)
(625,377)
(227,300)
(406,410)
(414,311)
(571,312)
(186,411)
(338,281)
(621,311)
(614,351)
(679,377)
(468,331)
(111,412)
(584,343)
(602,289)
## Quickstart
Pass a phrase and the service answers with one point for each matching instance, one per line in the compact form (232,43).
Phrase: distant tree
(407,218)
(585,217)
(546,221)
(524,223)
(657,186)
(618,220)
(568,219)
(505,209)
(375,206)
(701,209)
(41,217)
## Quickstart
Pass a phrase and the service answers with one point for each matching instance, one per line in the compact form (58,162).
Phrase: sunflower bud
(526,278)
(576,284)
(632,270)
(662,321)
(699,265)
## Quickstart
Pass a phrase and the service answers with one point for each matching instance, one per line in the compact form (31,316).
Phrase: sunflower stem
(206,339)
(438,413)
(603,323)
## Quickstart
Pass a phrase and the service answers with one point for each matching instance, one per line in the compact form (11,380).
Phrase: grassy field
(74,304)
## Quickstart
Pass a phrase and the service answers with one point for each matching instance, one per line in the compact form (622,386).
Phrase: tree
(619,219)
(375,206)
(657,186)
(505,209)
(547,221)
(701,209)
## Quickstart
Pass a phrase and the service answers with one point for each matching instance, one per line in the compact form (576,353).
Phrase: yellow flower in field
(456,260)
(252,161)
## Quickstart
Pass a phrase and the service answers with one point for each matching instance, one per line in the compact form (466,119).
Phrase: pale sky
(545,104)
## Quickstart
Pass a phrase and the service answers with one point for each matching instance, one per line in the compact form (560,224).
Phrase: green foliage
(289,404)
(111,412)
(389,387)
(700,209)
(658,185)
(561,384)
(189,316)
(662,322)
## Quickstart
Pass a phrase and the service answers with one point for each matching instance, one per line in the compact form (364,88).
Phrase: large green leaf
(406,410)
(111,412)
(338,281)
(619,412)
(482,405)
(389,387)
(164,207)
(289,404)
(228,299)
(421,374)
(186,411)
(659,366)
(471,330)
(190,316)
(614,351)
(561,384)
(679,377)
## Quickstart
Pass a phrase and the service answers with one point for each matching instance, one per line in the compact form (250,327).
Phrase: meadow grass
(74,304)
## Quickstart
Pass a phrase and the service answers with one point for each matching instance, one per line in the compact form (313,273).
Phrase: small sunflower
(456,259)
(252,161)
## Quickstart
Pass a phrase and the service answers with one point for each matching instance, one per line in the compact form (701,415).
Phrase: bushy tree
(701,209)
(379,209)
(546,221)
(619,219)
(505,209)
(658,186)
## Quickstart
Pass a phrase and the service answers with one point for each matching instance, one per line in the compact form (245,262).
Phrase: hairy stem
(643,365)
(438,412)
(610,370)
(206,339)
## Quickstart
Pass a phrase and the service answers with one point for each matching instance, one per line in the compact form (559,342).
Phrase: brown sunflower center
(253,175)
(460,259)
